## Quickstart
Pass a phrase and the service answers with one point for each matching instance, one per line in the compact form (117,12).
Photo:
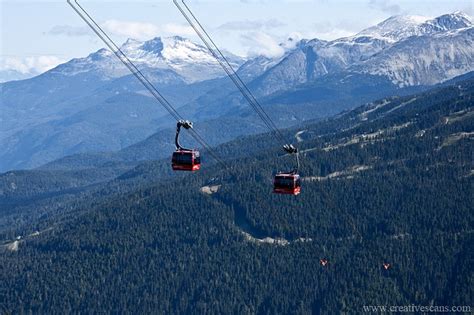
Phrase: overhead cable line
(236,79)
(139,75)
(225,64)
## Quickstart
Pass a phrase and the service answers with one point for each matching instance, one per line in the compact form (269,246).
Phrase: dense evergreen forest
(390,182)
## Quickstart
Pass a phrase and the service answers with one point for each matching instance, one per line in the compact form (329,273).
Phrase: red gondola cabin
(186,160)
(287,183)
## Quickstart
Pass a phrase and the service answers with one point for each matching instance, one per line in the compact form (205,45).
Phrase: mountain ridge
(313,76)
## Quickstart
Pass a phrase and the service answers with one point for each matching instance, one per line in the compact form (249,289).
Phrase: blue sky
(37,35)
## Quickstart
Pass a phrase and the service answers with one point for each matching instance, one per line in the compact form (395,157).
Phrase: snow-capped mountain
(80,105)
(94,103)
(400,27)
(424,60)
(447,22)
(409,50)
(101,63)
(395,28)
(189,60)
(430,52)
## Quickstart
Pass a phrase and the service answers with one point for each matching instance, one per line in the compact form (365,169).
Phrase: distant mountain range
(93,104)
(189,61)
(11,75)
(408,50)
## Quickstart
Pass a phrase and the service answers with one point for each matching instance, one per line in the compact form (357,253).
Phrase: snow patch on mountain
(189,60)
(395,28)
(408,50)
(425,60)
(100,62)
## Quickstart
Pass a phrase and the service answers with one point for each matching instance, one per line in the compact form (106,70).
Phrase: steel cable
(234,76)
(139,75)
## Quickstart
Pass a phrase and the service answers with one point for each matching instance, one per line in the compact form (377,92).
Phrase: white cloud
(385,6)
(135,30)
(261,43)
(31,64)
(251,25)
(128,29)
(328,30)
(291,41)
(69,30)
(279,1)
(333,34)
(177,29)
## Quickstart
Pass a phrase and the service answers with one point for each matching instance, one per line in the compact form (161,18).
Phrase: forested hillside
(389,182)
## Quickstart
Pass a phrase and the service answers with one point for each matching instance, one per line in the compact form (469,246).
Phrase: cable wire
(139,75)
(225,64)
(236,79)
